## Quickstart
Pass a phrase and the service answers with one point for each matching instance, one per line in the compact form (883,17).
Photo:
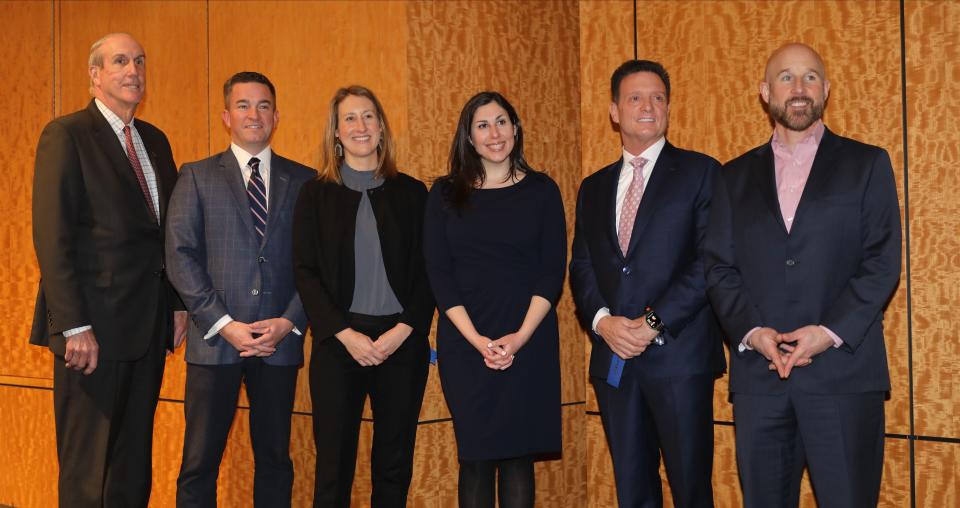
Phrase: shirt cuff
(297,331)
(602,313)
(745,343)
(215,329)
(837,341)
(73,331)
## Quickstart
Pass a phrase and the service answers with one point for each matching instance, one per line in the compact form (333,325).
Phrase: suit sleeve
(861,303)
(186,252)
(169,167)
(58,201)
(326,318)
(725,289)
(583,280)
(687,294)
(418,310)
(436,251)
(553,246)
(295,313)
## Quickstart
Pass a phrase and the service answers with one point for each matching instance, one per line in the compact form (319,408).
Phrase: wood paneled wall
(552,59)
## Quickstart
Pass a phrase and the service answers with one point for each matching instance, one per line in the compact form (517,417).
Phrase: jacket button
(791,262)
(626,270)
(261,259)
(254,292)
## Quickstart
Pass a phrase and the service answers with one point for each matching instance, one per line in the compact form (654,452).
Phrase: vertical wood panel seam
(209,105)
(636,45)
(53,58)
(906,225)
(56,36)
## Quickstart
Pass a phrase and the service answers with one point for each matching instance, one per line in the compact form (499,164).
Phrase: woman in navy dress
(495,246)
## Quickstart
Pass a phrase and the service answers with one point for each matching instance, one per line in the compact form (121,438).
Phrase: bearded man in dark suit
(802,255)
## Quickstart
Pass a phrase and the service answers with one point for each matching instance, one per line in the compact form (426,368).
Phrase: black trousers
(641,418)
(104,425)
(210,403)
(339,386)
(838,436)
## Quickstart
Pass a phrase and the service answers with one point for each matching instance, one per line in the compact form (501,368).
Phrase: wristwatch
(654,321)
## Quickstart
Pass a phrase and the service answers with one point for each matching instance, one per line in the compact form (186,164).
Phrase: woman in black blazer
(360,272)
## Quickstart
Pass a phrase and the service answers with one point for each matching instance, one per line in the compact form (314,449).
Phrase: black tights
(514,486)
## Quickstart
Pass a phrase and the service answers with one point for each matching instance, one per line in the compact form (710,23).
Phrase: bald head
(791,54)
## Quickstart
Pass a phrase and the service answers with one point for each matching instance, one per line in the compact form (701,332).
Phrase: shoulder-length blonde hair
(330,161)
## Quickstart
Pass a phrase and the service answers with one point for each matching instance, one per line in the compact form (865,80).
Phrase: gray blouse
(372,294)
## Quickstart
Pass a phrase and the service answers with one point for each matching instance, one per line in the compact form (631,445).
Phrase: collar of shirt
(652,153)
(813,140)
(115,122)
(243,157)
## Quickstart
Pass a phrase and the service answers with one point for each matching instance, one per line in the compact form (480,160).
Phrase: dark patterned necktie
(257,193)
(138,170)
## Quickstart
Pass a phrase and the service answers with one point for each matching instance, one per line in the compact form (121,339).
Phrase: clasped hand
(499,354)
(785,351)
(271,332)
(368,352)
(627,338)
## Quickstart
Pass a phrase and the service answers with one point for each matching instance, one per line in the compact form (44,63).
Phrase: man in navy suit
(638,282)
(802,255)
(229,246)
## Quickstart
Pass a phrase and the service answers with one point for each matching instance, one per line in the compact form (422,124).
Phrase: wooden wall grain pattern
(28,44)
(933,128)
(553,61)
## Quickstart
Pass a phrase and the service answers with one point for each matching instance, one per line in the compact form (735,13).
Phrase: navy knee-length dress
(507,245)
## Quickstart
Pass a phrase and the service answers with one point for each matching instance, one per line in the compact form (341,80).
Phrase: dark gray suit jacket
(99,248)
(216,263)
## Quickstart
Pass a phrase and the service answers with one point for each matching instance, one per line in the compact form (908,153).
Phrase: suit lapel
(820,173)
(661,173)
(230,170)
(608,193)
(110,146)
(279,186)
(764,173)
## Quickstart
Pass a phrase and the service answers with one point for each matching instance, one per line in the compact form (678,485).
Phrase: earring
(338,149)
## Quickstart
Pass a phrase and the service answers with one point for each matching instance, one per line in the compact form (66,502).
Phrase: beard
(797,120)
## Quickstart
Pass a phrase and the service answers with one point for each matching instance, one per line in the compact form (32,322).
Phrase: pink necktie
(628,213)
(138,170)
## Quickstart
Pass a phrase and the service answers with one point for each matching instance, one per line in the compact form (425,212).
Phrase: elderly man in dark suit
(803,253)
(229,244)
(637,278)
(105,308)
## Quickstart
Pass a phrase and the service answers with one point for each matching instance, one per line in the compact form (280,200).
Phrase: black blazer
(100,250)
(663,267)
(837,267)
(324,225)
